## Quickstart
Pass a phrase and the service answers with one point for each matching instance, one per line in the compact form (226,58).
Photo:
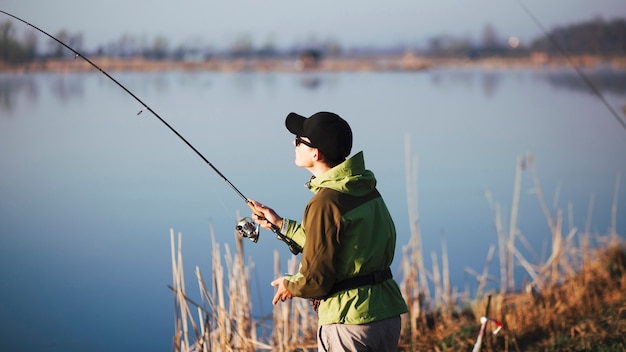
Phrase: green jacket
(348,232)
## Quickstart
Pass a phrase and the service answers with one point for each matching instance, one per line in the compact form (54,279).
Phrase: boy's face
(305,155)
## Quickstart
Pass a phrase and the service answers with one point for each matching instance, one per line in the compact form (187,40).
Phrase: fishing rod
(580,73)
(245,226)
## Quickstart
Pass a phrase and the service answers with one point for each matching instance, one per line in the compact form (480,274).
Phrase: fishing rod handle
(293,246)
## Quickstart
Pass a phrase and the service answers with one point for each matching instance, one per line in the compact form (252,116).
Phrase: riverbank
(406,62)
(583,311)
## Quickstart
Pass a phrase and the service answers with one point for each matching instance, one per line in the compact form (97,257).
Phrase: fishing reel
(247,228)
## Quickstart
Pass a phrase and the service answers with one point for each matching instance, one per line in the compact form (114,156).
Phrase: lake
(90,187)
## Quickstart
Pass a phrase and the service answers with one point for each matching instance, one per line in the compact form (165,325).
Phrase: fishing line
(245,227)
(580,73)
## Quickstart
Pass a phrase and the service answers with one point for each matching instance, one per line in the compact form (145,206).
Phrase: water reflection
(12,88)
(66,87)
(605,80)
(311,82)
(488,81)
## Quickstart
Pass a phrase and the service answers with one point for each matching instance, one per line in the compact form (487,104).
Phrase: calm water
(89,189)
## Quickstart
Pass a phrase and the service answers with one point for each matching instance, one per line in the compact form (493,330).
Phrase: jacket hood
(349,177)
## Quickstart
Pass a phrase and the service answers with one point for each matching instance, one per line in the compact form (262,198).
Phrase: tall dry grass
(570,283)
(551,308)
(223,319)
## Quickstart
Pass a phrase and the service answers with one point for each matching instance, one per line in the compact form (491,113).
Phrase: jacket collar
(347,177)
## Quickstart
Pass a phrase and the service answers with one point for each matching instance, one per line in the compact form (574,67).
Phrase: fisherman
(347,238)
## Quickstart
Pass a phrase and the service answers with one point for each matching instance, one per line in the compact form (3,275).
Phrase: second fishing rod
(245,227)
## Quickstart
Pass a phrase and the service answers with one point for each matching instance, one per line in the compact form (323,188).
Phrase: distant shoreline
(406,62)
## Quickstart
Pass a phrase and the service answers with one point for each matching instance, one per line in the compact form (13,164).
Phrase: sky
(286,23)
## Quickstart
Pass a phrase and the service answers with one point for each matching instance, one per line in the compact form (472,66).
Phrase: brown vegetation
(406,62)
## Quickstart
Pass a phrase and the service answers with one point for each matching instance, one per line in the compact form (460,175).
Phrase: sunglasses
(302,141)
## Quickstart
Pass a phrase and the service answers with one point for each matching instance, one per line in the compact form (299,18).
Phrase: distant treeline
(11,49)
(597,37)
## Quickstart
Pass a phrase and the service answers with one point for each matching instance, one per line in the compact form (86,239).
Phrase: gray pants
(382,335)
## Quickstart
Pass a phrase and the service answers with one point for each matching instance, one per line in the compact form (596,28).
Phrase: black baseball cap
(327,132)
